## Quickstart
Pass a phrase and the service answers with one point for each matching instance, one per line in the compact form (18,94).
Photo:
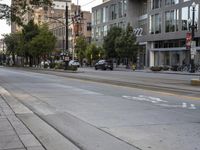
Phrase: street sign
(188,40)
(193,49)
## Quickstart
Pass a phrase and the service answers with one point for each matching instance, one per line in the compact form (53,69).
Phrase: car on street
(104,65)
(74,63)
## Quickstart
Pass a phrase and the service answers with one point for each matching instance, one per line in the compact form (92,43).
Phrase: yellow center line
(153,91)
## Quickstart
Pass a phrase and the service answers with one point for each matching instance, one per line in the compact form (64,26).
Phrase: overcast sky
(86,5)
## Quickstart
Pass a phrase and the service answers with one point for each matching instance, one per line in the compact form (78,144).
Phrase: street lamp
(192,28)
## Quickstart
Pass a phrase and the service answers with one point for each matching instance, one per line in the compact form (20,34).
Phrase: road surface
(100,116)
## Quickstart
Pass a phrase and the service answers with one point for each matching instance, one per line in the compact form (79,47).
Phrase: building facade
(160,26)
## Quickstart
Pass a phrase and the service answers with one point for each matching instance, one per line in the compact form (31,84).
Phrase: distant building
(160,27)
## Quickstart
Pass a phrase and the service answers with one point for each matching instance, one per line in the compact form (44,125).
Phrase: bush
(166,68)
(46,65)
(52,65)
(174,68)
(60,65)
(72,68)
(156,68)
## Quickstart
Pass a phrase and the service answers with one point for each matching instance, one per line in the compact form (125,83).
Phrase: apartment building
(160,26)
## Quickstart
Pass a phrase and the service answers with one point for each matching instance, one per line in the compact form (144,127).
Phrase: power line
(87,3)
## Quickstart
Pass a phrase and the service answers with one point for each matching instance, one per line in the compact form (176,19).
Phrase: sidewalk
(13,133)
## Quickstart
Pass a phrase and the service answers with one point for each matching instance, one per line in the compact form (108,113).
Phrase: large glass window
(171,20)
(171,2)
(155,24)
(187,14)
(196,18)
(120,9)
(105,14)
(185,18)
(98,16)
(156,4)
(113,12)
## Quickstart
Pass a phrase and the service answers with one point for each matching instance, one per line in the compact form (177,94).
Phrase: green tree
(93,53)
(126,45)
(29,31)
(80,48)
(109,42)
(42,44)
(12,42)
(19,8)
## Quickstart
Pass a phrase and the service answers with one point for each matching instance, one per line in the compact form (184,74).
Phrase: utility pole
(66,29)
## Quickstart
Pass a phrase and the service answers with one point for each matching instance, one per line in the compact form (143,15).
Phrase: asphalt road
(100,116)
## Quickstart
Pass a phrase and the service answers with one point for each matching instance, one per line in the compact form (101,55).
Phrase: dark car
(104,64)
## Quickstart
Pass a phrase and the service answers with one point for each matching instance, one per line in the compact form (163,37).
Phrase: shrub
(60,65)
(52,65)
(72,68)
(46,65)
(156,68)
(174,68)
(166,68)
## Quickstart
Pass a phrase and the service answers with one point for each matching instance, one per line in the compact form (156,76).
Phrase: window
(186,14)
(120,9)
(105,29)
(89,26)
(171,20)
(98,16)
(196,13)
(171,2)
(185,17)
(156,4)
(155,24)
(113,12)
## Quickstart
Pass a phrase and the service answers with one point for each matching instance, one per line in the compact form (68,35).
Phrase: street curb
(165,72)
(46,141)
(27,138)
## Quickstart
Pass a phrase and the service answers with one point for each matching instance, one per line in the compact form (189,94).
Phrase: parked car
(74,63)
(104,64)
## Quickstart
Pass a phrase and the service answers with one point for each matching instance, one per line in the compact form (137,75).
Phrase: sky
(86,5)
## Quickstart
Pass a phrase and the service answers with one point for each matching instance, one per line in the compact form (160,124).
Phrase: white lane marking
(184,105)
(158,101)
(192,106)
(153,98)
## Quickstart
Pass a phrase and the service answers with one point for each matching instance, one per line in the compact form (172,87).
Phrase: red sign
(188,40)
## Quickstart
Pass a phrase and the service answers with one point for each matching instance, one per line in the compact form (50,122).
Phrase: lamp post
(192,28)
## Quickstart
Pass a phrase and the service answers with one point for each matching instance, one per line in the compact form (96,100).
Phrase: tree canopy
(125,44)
(109,42)
(80,48)
(19,7)
(32,43)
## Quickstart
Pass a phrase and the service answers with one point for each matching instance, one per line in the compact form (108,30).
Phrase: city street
(105,116)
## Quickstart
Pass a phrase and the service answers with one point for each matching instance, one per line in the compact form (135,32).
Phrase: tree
(109,42)
(93,53)
(19,8)
(12,42)
(42,44)
(126,45)
(80,48)
(29,31)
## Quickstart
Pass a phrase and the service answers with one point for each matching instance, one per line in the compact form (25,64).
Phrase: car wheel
(96,68)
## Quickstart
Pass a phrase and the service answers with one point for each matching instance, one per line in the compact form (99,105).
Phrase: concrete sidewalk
(13,133)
